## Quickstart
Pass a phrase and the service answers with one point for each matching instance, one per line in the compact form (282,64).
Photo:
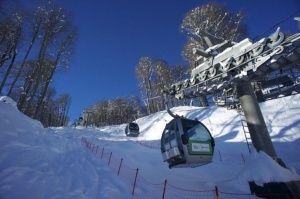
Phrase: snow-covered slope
(53,163)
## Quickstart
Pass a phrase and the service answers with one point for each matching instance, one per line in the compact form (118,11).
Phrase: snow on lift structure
(236,55)
(216,68)
(186,143)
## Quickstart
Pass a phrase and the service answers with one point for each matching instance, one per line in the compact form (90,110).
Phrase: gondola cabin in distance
(186,143)
(132,129)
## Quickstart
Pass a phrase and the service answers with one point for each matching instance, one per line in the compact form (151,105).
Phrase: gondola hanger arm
(170,112)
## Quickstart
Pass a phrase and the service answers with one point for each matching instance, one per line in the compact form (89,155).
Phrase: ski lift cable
(276,25)
(252,39)
(151,98)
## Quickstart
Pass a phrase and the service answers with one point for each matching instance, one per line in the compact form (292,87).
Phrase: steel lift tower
(233,67)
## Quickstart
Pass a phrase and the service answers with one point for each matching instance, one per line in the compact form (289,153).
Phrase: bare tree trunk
(66,44)
(8,69)
(38,83)
(43,93)
(35,74)
(13,49)
(25,58)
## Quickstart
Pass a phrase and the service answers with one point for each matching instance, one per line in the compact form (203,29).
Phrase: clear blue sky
(115,34)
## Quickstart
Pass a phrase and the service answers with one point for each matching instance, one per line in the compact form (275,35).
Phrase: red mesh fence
(114,163)
(149,145)
(175,192)
(226,157)
(145,188)
(128,175)
(141,188)
(224,195)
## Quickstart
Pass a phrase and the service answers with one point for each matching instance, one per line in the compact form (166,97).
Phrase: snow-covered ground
(55,163)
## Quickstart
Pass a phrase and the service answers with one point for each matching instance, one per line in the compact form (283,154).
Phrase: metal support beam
(257,127)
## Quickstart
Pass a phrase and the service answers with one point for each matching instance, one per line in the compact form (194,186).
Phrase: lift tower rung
(245,127)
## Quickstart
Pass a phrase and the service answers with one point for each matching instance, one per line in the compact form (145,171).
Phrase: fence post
(93,148)
(109,158)
(220,156)
(102,152)
(217,192)
(243,157)
(120,166)
(137,170)
(165,187)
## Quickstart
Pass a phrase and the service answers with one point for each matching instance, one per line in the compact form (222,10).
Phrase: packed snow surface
(54,162)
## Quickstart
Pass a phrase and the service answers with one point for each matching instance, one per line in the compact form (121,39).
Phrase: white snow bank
(8,100)
(261,169)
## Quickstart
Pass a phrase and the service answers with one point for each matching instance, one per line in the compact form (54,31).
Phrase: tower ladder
(245,127)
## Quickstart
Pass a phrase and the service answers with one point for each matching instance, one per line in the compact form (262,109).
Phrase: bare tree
(115,111)
(64,103)
(11,27)
(62,58)
(48,108)
(45,37)
(213,20)
(55,111)
(145,75)
(163,79)
(35,29)
(9,23)
(155,75)
(100,113)
(58,35)
(135,107)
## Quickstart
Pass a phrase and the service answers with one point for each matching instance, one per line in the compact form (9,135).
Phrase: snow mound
(261,169)
(8,100)
(15,122)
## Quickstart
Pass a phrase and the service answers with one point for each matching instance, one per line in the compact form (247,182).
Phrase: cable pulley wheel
(277,41)
(202,76)
(257,51)
(212,72)
(239,60)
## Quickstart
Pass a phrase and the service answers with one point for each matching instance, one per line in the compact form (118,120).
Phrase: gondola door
(171,145)
(198,143)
